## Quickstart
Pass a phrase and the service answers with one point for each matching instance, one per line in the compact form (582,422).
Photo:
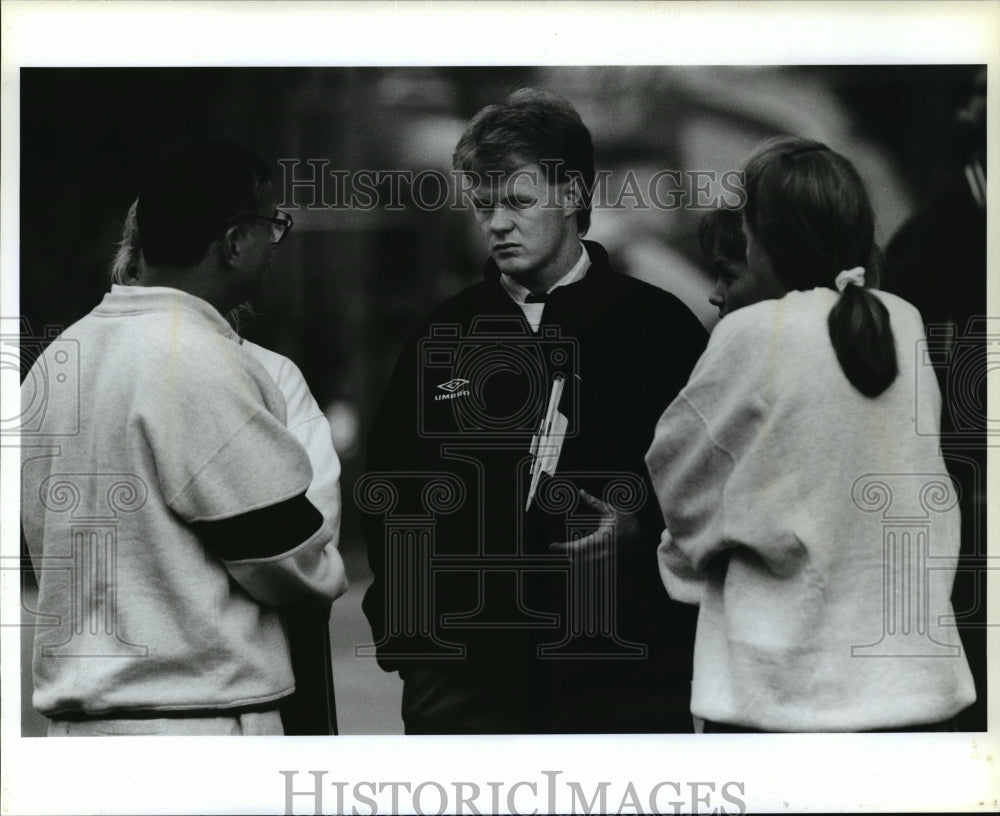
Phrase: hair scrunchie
(855,276)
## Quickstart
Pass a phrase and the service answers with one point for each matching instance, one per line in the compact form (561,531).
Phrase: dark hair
(127,260)
(190,193)
(808,208)
(720,236)
(531,126)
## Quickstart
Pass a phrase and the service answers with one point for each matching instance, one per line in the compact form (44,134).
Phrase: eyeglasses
(281,222)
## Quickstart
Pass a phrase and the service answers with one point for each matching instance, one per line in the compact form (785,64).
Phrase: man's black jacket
(490,630)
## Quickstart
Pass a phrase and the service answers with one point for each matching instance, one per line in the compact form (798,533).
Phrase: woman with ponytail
(806,511)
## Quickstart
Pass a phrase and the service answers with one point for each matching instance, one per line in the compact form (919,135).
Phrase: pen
(537,445)
(557,387)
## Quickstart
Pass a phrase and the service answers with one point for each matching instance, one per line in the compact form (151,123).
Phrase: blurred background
(350,282)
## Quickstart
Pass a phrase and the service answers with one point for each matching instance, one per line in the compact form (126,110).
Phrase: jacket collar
(138,299)
(575,306)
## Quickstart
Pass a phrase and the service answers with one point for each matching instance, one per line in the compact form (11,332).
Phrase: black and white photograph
(581,430)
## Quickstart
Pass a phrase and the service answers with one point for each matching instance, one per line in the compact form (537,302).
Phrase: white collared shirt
(533,311)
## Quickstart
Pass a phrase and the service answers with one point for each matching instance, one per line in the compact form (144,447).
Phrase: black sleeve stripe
(261,533)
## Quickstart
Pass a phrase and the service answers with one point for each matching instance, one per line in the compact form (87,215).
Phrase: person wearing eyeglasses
(312,709)
(173,446)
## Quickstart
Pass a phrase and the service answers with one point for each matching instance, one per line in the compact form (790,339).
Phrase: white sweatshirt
(169,428)
(306,422)
(816,527)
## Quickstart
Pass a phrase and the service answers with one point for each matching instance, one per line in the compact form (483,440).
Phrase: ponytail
(808,207)
(862,338)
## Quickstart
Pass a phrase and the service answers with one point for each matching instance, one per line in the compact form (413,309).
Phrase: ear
(572,200)
(231,244)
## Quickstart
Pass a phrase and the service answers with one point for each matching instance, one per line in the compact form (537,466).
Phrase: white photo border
(793,773)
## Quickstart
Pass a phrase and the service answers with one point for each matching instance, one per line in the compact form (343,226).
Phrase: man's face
(259,251)
(526,223)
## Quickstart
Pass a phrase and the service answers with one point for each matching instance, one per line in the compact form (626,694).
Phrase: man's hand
(616,532)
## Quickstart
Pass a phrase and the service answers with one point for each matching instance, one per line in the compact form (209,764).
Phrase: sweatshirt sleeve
(679,577)
(310,428)
(307,423)
(700,441)
(689,472)
(229,468)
